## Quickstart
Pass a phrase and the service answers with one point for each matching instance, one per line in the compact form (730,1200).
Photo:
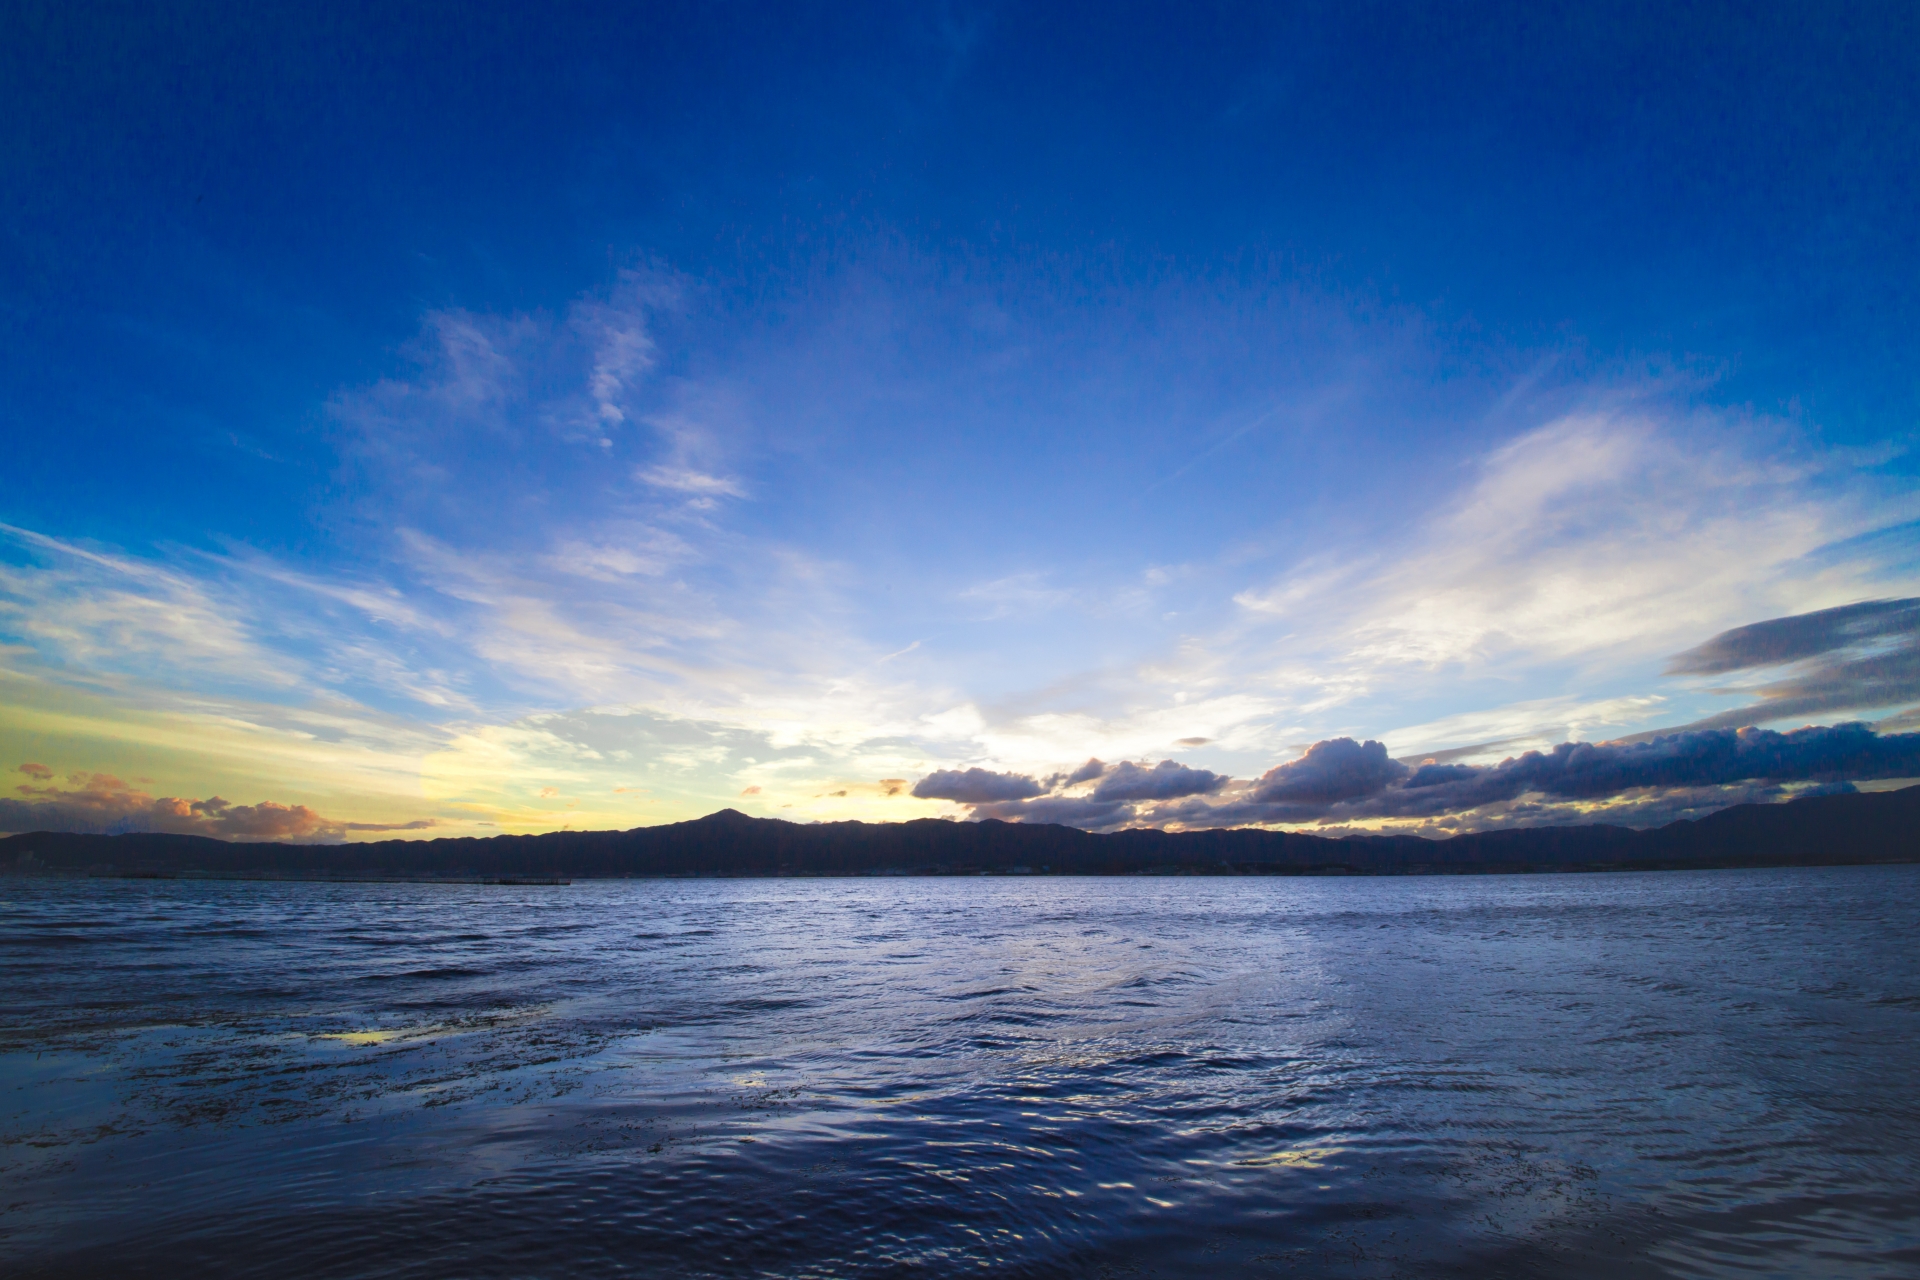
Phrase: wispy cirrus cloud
(1608,532)
(697,483)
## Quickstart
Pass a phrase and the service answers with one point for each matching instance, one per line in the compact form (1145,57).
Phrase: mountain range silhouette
(1816,831)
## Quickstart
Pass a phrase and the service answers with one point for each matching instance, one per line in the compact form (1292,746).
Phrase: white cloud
(1615,535)
(94,611)
(685,480)
(1587,548)
(623,350)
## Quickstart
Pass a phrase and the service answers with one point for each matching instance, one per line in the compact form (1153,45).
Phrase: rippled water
(1669,1074)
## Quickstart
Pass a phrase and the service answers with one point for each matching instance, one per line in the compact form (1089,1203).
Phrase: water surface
(1670,1074)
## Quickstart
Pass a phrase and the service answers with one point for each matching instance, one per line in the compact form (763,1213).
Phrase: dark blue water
(1701,1074)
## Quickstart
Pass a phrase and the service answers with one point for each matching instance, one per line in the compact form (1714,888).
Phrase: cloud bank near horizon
(1340,782)
(101,804)
(1336,783)
(1858,656)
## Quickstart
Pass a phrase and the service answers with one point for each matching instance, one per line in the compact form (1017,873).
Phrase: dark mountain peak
(726,818)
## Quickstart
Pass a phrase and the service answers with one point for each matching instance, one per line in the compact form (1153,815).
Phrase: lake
(1658,1074)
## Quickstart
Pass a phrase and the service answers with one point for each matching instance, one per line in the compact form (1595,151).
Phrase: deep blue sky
(1061,341)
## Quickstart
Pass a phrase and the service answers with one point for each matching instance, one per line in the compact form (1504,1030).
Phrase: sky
(460,419)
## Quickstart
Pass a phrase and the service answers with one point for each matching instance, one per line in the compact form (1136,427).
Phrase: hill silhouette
(1825,830)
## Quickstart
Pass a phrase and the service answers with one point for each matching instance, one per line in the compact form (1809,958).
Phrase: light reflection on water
(1672,1074)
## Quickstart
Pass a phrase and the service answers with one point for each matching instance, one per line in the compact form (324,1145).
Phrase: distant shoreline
(1286,873)
(1836,830)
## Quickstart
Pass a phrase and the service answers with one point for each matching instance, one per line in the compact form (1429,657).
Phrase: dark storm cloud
(1710,757)
(1433,775)
(1087,772)
(1650,808)
(1168,780)
(1803,635)
(1338,781)
(976,786)
(1342,781)
(1068,811)
(1854,657)
(1014,797)
(1884,679)
(1331,771)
